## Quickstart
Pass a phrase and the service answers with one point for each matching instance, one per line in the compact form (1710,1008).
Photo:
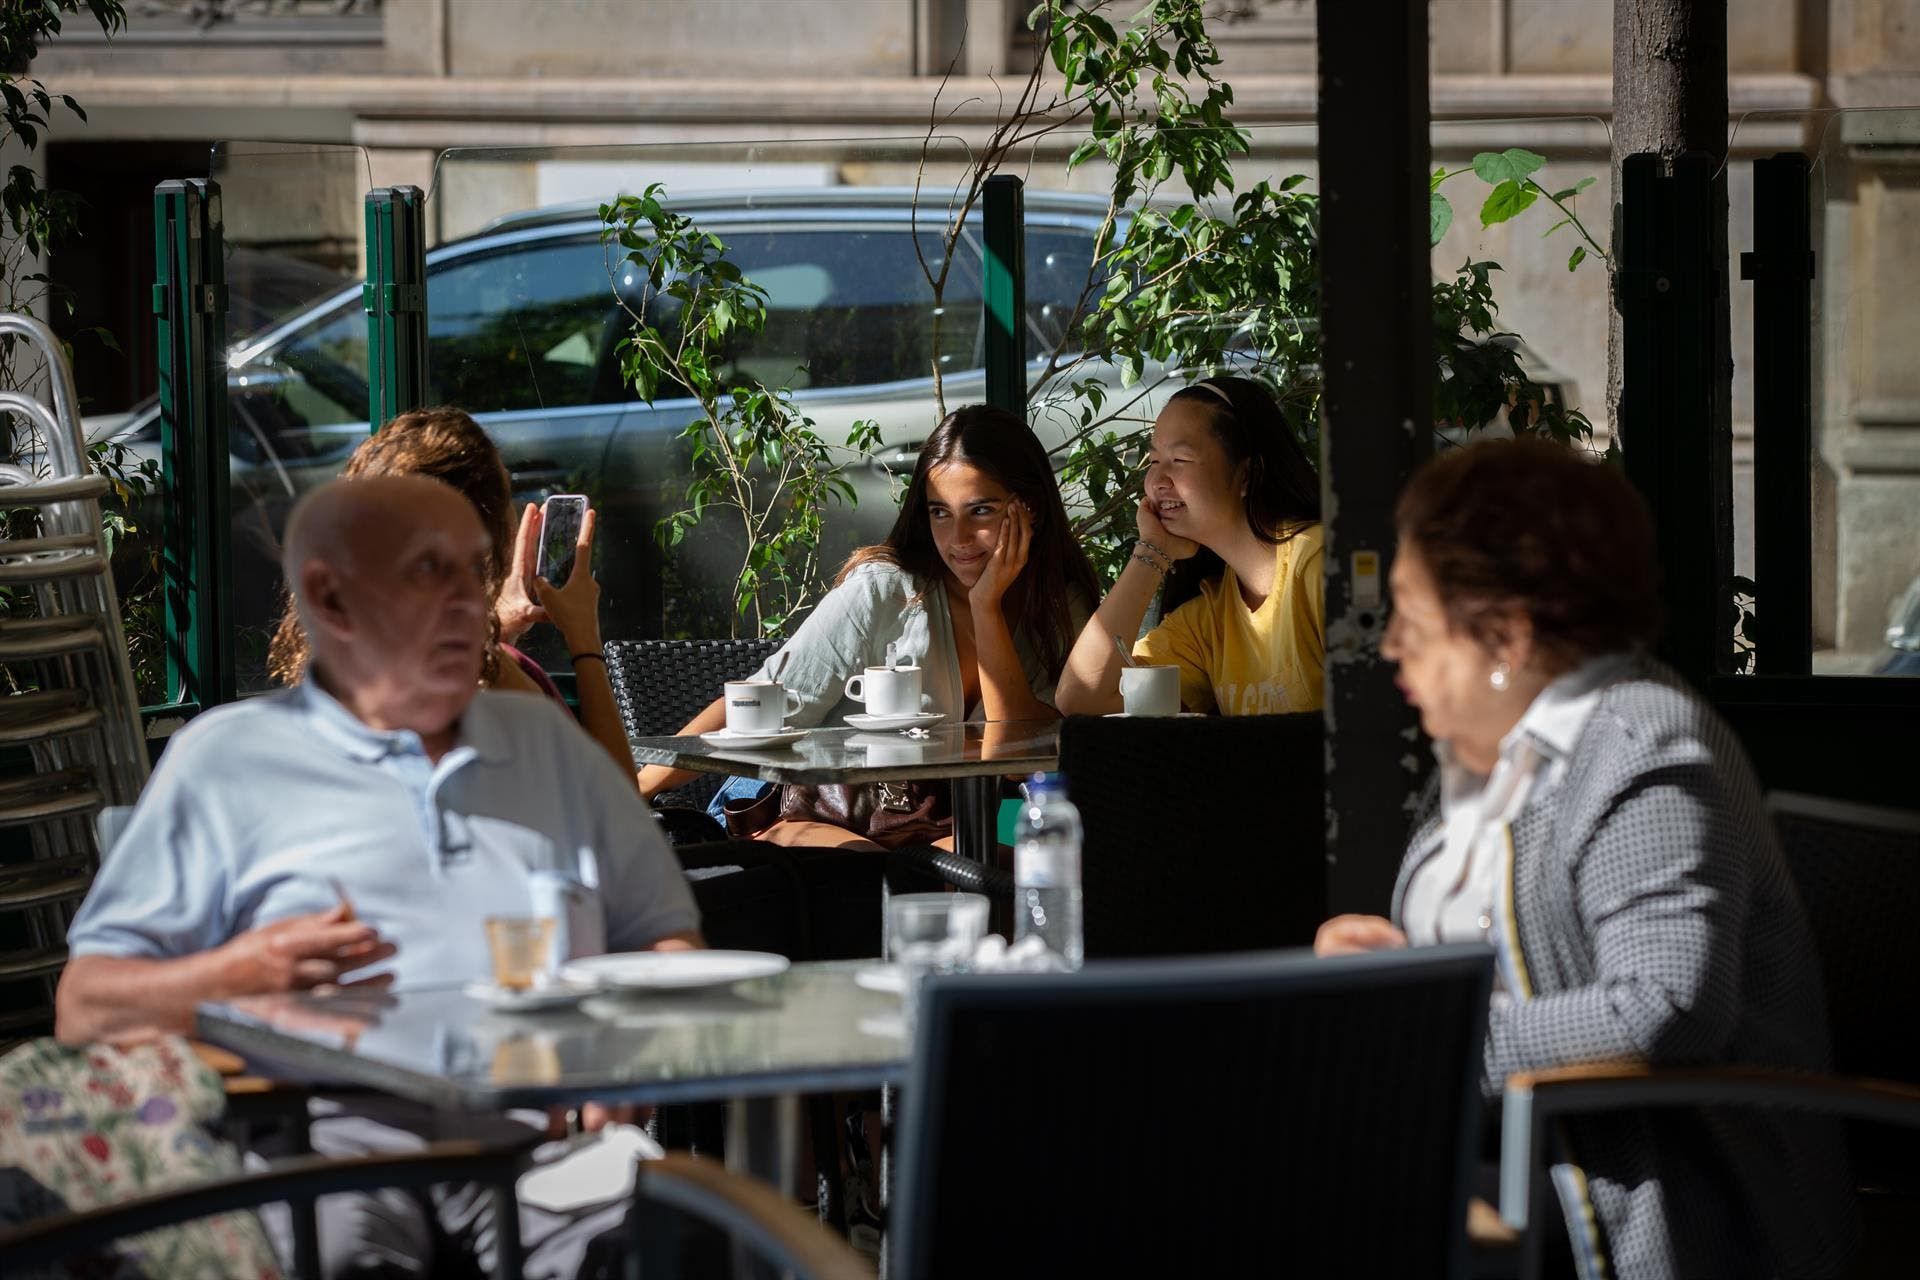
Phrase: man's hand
(1009,557)
(1351,935)
(300,953)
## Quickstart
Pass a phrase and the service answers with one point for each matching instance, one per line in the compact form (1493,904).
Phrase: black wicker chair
(1349,1096)
(662,684)
(1202,835)
(1858,871)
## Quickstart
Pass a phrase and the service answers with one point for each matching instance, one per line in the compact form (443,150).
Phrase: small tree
(1177,287)
(752,452)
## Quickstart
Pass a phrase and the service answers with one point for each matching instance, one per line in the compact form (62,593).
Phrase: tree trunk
(1670,96)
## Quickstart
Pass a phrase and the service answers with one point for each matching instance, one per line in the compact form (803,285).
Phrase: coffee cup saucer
(902,720)
(736,738)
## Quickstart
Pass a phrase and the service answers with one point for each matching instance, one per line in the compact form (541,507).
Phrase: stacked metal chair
(71,740)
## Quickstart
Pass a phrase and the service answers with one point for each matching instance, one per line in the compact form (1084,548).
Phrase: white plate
(671,970)
(882,977)
(728,738)
(552,996)
(905,720)
(1178,715)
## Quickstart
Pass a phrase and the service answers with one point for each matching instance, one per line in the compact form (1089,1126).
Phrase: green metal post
(1004,212)
(190,303)
(395,296)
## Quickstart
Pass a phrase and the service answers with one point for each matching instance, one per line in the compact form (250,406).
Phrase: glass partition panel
(1866,429)
(531,306)
(296,357)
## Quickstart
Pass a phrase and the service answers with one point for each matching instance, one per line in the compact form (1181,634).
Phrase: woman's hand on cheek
(1009,557)
(1147,523)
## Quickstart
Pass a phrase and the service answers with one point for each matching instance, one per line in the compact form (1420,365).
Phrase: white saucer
(1178,715)
(554,995)
(671,970)
(905,720)
(881,977)
(728,738)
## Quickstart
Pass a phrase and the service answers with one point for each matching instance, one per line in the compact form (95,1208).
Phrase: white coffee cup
(758,706)
(1150,691)
(888,691)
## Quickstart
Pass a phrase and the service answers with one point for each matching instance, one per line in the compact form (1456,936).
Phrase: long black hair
(1283,489)
(1040,602)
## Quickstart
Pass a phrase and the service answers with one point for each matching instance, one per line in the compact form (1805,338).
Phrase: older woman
(1600,827)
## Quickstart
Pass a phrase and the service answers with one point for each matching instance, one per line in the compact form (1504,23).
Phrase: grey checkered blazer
(1648,915)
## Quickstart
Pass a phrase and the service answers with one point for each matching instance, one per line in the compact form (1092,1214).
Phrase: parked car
(523,328)
(1903,635)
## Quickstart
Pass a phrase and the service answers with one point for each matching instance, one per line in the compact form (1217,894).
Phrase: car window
(307,396)
(1058,259)
(850,306)
(526,327)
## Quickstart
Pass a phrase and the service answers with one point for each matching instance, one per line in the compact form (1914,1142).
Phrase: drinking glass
(933,933)
(522,950)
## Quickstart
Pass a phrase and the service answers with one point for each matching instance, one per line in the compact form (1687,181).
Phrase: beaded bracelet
(1156,548)
(1151,563)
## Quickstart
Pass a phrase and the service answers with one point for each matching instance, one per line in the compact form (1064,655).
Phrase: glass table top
(853,755)
(809,1029)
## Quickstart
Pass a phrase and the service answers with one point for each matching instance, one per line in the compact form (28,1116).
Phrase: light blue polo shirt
(256,808)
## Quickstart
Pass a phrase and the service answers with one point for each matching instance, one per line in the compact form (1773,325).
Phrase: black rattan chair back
(662,684)
(1348,1110)
(1858,871)
(1202,835)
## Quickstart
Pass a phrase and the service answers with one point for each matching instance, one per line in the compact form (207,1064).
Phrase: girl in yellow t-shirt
(1231,522)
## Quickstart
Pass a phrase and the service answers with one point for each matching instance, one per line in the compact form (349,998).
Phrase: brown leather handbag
(891,814)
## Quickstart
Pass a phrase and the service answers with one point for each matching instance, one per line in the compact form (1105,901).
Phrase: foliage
(1188,276)
(1180,287)
(34,219)
(751,451)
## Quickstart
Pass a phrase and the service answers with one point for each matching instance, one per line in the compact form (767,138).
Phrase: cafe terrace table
(973,756)
(758,1044)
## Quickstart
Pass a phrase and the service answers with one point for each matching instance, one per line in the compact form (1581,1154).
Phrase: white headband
(1216,390)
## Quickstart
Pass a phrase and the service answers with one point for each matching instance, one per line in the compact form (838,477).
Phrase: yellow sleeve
(1186,639)
(1310,614)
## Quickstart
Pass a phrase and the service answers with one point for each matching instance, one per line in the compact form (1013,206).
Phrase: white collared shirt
(1452,897)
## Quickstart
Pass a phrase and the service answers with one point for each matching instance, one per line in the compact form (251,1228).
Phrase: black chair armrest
(748,1210)
(684,825)
(63,1235)
(1535,1100)
(943,865)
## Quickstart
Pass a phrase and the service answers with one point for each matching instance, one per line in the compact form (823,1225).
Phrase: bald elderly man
(389,771)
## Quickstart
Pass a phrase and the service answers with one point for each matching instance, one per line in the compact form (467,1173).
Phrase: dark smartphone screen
(560,519)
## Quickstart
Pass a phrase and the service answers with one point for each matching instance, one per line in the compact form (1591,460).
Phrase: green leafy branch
(1510,174)
(751,451)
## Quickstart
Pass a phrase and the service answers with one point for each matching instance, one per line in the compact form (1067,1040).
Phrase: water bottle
(1046,870)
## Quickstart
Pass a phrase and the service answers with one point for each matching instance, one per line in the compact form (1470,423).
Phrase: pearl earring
(1498,677)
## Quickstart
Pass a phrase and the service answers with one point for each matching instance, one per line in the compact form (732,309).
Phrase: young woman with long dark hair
(1230,521)
(980,580)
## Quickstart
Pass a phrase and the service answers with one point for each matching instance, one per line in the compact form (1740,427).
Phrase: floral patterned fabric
(86,1127)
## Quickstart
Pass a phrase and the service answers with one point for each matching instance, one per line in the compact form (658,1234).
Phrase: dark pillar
(1376,415)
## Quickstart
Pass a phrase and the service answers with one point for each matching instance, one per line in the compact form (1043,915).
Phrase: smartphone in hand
(560,519)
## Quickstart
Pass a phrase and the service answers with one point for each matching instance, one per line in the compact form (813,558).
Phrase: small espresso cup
(888,691)
(1150,691)
(758,706)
